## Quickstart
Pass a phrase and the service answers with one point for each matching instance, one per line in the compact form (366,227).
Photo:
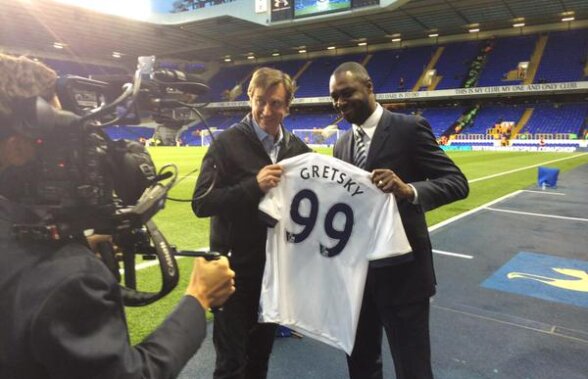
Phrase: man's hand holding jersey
(389,182)
(269,177)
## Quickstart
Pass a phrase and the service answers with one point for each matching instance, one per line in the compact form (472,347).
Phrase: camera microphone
(189,83)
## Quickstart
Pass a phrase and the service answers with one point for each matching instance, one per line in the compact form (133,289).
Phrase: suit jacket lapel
(379,139)
(347,153)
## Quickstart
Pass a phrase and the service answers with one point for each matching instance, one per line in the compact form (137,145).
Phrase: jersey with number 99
(327,222)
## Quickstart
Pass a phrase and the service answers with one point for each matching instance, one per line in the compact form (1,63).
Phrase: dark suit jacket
(62,317)
(232,163)
(407,146)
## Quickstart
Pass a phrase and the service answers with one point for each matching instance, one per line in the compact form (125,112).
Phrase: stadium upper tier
(510,61)
(547,58)
(564,58)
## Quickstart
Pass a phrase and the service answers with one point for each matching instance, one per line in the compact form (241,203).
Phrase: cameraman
(61,309)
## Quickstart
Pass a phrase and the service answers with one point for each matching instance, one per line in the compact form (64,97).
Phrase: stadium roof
(32,27)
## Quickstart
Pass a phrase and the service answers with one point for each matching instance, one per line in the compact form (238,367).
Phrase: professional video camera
(82,181)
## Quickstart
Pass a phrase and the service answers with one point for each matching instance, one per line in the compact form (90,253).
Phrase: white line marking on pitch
(142,266)
(546,192)
(523,168)
(155,262)
(538,214)
(471,211)
(441,252)
(462,215)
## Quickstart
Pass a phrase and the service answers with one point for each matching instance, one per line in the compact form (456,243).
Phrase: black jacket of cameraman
(62,316)
(232,163)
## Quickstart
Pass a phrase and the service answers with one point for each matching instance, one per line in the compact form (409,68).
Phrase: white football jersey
(329,221)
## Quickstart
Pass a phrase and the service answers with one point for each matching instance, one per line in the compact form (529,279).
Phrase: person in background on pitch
(405,160)
(61,308)
(237,170)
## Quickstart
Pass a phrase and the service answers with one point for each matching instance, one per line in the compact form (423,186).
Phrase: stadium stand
(557,119)
(399,70)
(507,54)
(314,82)
(227,79)
(488,116)
(454,63)
(564,57)
(387,67)
(309,120)
(129,132)
(442,118)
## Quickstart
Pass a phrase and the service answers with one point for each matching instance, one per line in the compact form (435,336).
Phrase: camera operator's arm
(79,331)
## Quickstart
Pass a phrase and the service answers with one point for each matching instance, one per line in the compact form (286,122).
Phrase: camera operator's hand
(211,282)
(269,177)
(95,240)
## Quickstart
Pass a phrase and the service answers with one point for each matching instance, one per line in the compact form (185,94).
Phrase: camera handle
(160,248)
(167,264)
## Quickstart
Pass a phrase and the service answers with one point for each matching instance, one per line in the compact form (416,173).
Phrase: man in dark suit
(403,155)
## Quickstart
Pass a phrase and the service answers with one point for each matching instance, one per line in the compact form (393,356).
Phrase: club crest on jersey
(332,174)
(327,252)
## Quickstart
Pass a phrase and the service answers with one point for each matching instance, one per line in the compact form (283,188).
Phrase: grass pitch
(491,175)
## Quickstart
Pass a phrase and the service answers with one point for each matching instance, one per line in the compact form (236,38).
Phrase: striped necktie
(360,157)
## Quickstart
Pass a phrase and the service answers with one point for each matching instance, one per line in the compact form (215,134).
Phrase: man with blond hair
(238,169)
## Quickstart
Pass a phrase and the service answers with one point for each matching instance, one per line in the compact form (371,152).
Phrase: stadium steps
(522,122)
(430,66)
(535,59)
(436,80)
(240,89)
(302,69)
(365,60)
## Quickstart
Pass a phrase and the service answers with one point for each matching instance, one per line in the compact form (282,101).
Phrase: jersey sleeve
(269,208)
(391,238)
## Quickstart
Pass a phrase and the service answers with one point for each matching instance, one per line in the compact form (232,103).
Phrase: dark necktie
(360,157)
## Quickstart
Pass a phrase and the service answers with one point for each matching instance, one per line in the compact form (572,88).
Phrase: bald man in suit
(405,159)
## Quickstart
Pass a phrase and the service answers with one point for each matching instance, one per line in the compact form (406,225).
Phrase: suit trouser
(243,346)
(407,329)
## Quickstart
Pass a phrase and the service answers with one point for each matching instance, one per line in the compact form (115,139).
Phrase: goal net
(318,137)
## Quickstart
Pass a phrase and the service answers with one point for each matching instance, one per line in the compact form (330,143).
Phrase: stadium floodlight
(227,59)
(302,51)
(397,39)
(361,43)
(433,35)
(331,48)
(275,54)
(569,18)
(474,30)
(59,45)
(518,25)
